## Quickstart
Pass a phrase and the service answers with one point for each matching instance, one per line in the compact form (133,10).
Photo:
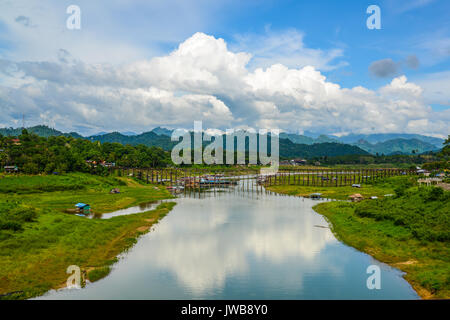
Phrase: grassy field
(38,241)
(410,231)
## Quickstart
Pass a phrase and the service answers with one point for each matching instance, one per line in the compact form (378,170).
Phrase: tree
(445,153)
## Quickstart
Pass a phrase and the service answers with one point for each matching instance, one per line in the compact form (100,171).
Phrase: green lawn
(38,241)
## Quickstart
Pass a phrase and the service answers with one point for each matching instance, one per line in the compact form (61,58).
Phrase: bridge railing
(198,177)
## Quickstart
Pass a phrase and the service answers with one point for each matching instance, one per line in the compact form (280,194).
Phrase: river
(242,244)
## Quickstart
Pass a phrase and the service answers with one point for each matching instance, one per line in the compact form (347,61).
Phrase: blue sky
(342,24)
(329,36)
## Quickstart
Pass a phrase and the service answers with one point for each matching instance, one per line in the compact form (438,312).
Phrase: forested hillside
(34,154)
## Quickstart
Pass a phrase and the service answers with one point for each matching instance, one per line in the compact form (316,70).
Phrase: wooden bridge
(194,178)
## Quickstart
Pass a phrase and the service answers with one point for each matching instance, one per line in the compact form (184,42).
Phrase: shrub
(434,194)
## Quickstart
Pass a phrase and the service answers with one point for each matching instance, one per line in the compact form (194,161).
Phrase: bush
(30,168)
(14,219)
(434,194)
(10,225)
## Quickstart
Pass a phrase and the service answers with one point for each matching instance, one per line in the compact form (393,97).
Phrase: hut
(315,195)
(83,208)
(11,169)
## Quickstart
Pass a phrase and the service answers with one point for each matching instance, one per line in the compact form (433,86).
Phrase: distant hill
(148,138)
(382,137)
(324,138)
(383,143)
(129,133)
(297,138)
(40,130)
(162,131)
(302,139)
(397,146)
(291,145)
(288,149)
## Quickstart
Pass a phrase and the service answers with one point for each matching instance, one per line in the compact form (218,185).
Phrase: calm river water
(242,244)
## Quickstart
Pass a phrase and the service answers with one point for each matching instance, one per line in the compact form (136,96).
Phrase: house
(315,195)
(15,142)
(423,171)
(356,185)
(356,197)
(317,163)
(107,164)
(11,169)
(91,163)
(83,208)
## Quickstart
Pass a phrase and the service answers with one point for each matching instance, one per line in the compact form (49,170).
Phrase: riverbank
(38,241)
(409,231)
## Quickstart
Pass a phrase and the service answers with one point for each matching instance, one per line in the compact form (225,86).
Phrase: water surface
(242,244)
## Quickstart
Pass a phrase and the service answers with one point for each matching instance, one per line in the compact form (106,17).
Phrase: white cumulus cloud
(203,79)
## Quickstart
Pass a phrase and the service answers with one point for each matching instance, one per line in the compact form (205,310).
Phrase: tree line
(33,154)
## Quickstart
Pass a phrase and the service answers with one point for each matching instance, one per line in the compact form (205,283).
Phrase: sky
(291,65)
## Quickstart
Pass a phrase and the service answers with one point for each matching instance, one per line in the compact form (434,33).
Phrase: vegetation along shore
(38,241)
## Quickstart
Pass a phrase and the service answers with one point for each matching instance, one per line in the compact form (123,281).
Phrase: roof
(81,205)
(356,195)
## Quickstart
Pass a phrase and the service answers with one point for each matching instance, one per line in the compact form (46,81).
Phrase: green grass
(99,273)
(34,257)
(23,184)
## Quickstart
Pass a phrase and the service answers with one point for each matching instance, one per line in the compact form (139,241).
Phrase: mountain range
(291,144)
(381,143)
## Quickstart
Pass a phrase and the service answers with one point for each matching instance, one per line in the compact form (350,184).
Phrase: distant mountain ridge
(397,146)
(303,139)
(161,138)
(162,131)
(291,145)
(149,139)
(383,143)
(40,130)
(383,137)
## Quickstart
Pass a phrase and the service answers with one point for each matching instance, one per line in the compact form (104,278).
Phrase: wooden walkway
(207,178)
